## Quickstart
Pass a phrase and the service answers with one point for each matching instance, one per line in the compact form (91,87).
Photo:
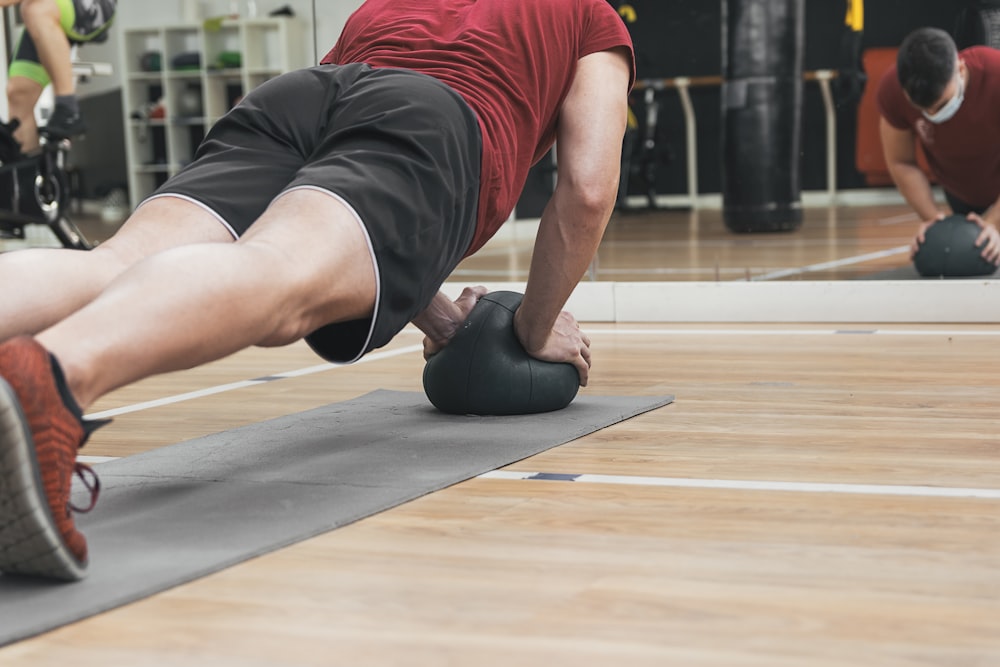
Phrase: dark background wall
(682,38)
(100,154)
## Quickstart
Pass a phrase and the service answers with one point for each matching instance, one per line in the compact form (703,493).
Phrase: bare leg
(304,264)
(41,20)
(42,23)
(22,96)
(51,283)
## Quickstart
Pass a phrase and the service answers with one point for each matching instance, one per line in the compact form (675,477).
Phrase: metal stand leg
(52,191)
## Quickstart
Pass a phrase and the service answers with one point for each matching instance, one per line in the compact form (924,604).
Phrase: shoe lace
(90,482)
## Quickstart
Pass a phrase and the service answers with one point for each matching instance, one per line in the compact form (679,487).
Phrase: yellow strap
(627,12)
(855,15)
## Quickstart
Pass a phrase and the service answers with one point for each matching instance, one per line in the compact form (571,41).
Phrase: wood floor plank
(539,572)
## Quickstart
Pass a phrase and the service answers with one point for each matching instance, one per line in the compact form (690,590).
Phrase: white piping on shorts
(201,205)
(371,252)
(343,202)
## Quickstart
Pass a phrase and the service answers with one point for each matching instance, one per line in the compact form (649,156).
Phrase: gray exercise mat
(175,514)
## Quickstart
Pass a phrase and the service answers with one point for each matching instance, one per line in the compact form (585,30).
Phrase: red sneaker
(39,438)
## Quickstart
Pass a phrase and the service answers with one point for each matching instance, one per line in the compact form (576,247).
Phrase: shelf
(145,76)
(175,74)
(194,99)
(192,121)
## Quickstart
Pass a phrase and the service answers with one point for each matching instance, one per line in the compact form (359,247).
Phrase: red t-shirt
(964,152)
(511,60)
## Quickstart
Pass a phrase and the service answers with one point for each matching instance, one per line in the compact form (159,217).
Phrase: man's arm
(900,153)
(589,136)
(988,240)
(899,148)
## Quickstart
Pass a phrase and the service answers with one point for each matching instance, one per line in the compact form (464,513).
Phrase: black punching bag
(762,53)
(978,24)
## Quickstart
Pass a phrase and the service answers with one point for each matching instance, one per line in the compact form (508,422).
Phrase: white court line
(493,273)
(725,484)
(686,271)
(725,331)
(650,271)
(108,414)
(896,219)
(727,243)
(746,485)
(179,398)
(793,332)
(847,261)
(93,460)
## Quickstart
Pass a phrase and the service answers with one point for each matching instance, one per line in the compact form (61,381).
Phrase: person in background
(43,55)
(946,100)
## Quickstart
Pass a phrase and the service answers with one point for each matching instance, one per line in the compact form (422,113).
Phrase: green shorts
(82,20)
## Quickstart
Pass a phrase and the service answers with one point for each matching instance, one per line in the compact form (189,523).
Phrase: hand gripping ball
(949,250)
(484,370)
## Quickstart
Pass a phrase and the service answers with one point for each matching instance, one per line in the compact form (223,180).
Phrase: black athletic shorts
(959,207)
(399,148)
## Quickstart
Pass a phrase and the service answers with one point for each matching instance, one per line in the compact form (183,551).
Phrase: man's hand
(919,239)
(566,343)
(441,319)
(988,239)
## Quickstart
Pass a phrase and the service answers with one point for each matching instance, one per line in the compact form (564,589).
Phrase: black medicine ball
(484,370)
(949,250)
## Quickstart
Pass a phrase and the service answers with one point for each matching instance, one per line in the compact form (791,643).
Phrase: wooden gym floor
(833,243)
(818,495)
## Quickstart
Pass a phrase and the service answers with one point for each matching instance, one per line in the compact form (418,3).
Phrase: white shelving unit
(193,97)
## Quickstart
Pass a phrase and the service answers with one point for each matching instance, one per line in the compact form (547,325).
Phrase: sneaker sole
(30,542)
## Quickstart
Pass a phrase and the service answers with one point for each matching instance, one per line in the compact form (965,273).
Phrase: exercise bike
(35,189)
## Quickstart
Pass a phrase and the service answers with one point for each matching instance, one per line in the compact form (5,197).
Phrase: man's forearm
(915,188)
(568,236)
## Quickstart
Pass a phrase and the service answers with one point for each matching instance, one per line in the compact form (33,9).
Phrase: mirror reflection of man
(947,100)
